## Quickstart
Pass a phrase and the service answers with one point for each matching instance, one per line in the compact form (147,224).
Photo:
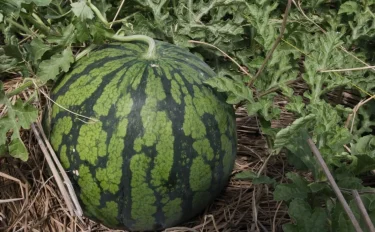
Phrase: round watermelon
(160,145)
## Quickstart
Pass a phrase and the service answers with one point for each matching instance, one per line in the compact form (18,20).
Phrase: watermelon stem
(97,12)
(151,52)
(85,52)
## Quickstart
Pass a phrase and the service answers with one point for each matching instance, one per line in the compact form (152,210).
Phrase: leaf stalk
(20,89)
(151,53)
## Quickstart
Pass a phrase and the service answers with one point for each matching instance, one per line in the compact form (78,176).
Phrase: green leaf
(98,32)
(259,16)
(82,31)
(49,69)
(37,49)
(349,7)
(17,149)
(7,63)
(265,107)
(10,7)
(13,51)
(103,6)
(324,53)
(18,115)
(3,150)
(25,114)
(305,218)
(296,105)
(82,10)
(285,136)
(348,181)
(362,164)
(317,187)
(364,146)
(3,98)
(250,175)
(67,37)
(289,227)
(300,154)
(40,2)
(237,91)
(364,120)
(264,180)
(245,175)
(5,126)
(253,108)
(298,189)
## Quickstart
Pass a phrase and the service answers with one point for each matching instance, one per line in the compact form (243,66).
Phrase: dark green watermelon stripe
(134,125)
(181,164)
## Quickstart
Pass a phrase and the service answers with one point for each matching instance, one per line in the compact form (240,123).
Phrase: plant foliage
(43,38)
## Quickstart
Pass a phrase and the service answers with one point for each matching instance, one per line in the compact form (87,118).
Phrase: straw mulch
(241,207)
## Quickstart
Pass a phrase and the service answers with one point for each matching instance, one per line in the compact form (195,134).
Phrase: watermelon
(160,144)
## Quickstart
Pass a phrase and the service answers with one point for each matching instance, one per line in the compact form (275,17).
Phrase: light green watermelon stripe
(200,175)
(64,157)
(143,198)
(61,128)
(90,195)
(172,210)
(158,132)
(90,191)
(92,142)
(110,176)
(193,125)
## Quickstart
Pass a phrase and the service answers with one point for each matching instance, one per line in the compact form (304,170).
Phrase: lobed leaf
(82,10)
(49,69)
